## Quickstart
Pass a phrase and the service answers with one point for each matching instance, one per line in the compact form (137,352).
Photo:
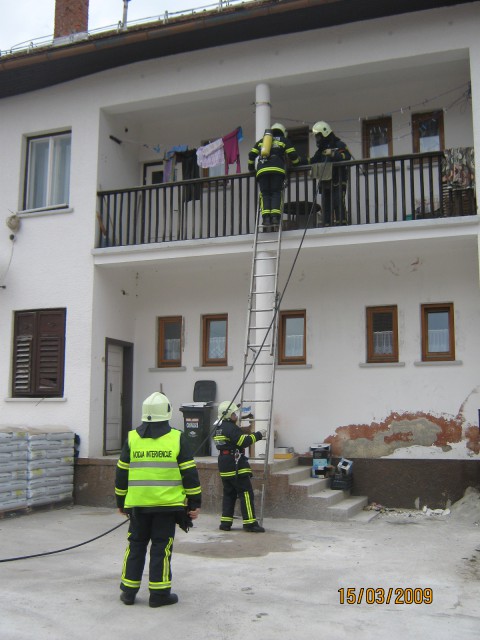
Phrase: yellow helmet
(280,127)
(226,409)
(322,127)
(156,408)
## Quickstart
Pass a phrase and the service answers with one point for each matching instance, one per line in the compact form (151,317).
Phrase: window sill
(436,363)
(47,211)
(162,369)
(214,367)
(289,365)
(372,365)
(35,400)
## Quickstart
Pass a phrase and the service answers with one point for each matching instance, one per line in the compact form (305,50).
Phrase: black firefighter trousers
(159,528)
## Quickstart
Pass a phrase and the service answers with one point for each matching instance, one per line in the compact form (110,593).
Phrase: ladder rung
(257,346)
(257,293)
(263,275)
(265,258)
(255,401)
(267,241)
(258,382)
(255,328)
(259,364)
(261,310)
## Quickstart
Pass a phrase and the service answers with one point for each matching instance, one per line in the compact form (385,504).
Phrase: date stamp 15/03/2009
(380,595)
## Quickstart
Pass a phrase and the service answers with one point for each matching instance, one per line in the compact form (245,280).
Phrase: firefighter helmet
(322,128)
(156,408)
(279,127)
(226,409)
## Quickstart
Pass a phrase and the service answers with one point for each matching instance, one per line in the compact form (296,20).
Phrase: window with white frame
(47,176)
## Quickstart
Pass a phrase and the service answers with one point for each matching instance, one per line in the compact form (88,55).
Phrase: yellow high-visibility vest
(154,478)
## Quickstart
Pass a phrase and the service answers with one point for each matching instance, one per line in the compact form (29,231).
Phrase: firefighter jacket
(156,470)
(231,442)
(275,162)
(340,153)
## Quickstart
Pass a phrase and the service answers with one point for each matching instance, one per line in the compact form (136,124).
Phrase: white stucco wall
(182,99)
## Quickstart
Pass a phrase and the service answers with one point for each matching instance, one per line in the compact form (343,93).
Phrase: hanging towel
(211,155)
(230,145)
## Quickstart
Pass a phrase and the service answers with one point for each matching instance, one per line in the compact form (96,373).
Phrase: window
(215,340)
(169,347)
(377,138)
(427,131)
(292,338)
(47,179)
(438,338)
(382,334)
(38,353)
(299,138)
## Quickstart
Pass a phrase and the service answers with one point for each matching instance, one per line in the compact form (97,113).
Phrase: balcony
(383,190)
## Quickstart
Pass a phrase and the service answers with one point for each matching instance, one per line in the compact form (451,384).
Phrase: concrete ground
(286,583)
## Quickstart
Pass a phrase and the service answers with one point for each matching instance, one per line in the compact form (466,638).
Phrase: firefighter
(270,172)
(234,468)
(331,149)
(157,485)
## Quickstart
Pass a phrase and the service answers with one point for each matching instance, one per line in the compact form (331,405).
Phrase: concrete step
(295,474)
(312,485)
(328,497)
(347,508)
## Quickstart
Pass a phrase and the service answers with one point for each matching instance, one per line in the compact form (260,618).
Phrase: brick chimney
(71,16)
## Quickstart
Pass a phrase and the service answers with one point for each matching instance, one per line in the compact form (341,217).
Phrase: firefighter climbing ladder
(261,344)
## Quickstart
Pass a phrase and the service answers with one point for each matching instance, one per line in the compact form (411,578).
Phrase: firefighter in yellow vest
(234,468)
(156,484)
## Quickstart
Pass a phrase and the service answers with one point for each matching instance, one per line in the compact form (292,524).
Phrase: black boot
(162,600)
(254,527)
(266,222)
(128,597)
(276,221)
(225,526)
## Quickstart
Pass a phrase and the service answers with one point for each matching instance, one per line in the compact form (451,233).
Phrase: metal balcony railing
(391,189)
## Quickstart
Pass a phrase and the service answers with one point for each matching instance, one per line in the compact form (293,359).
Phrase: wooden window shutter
(23,353)
(50,352)
(39,353)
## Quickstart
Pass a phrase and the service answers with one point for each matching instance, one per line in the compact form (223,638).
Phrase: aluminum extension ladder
(261,332)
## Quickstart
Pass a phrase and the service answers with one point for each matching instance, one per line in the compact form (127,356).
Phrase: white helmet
(280,127)
(156,408)
(226,409)
(322,127)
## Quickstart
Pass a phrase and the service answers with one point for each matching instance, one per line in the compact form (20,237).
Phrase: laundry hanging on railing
(231,150)
(458,168)
(190,171)
(170,161)
(211,155)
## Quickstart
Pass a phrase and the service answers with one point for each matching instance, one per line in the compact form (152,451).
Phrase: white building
(86,121)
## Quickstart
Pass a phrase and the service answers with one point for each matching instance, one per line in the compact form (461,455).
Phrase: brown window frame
(417,119)
(371,355)
(206,321)
(282,335)
(368,124)
(436,356)
(162,361)
(38,354)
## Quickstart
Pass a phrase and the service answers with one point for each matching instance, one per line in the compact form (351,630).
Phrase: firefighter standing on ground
(270,172)
(234,468)
(331,149)
(156,475)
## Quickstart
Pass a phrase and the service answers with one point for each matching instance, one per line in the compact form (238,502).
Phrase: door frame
(127,390)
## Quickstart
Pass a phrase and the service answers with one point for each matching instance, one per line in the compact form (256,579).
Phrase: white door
(113,429)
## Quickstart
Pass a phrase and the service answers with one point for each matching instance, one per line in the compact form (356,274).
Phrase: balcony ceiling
(38,68)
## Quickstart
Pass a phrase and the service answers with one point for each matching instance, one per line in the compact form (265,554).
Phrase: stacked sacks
(13,468)
(50,456)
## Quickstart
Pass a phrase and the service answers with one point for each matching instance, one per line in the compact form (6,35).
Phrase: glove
(264,433)
(328,152)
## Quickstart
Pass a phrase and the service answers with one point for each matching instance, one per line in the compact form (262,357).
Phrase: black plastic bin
(197,417)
